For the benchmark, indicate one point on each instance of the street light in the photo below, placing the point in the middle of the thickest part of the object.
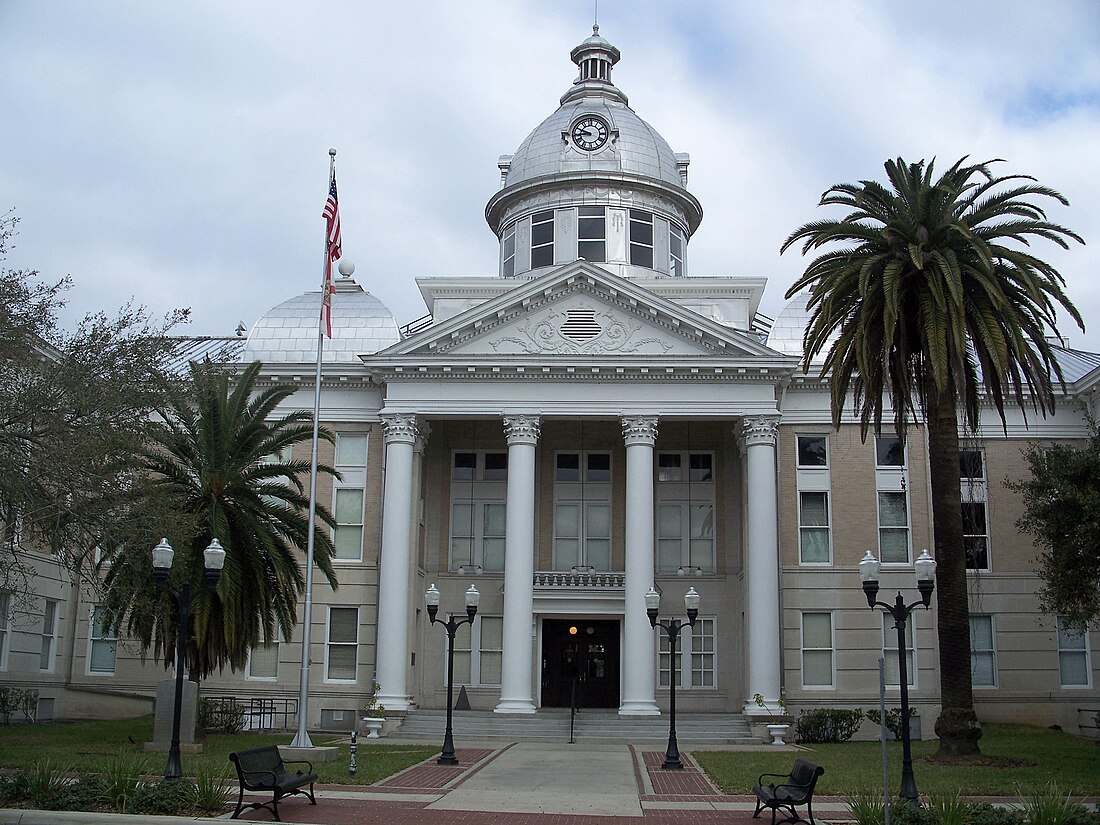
(213, 561)
(431, 597)
(925, 567)
(672, 627)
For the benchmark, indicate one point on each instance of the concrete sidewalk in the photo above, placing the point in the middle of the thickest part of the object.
(517, 784)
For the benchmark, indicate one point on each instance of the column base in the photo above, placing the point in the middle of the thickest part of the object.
(639, 707)
(394, 703)
(515, 706)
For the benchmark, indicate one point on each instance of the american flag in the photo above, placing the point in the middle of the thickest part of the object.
(331, 214)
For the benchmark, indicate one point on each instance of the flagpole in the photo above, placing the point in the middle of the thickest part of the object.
(301, 739)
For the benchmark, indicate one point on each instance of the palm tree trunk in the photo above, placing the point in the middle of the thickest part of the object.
(957, 727)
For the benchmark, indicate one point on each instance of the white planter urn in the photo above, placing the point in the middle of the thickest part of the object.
(777, 732)
(373, 724)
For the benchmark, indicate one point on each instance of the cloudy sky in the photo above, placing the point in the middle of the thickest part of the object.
(177, 154)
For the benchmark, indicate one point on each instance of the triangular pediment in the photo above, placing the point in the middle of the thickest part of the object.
(578, 310)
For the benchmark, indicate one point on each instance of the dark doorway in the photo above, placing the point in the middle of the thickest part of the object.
(584, 651)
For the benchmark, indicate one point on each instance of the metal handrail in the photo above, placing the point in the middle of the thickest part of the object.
(573, 712)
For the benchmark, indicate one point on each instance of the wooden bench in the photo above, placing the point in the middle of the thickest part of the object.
(794, 788)
(263, 769)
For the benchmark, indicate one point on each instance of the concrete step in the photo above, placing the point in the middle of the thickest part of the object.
(692, 729)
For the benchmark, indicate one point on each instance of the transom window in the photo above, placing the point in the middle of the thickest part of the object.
(813, 450)
(889, 451)
(592, 233)
(479, 466)
(542, 239)
(641, 238)
(351, 449)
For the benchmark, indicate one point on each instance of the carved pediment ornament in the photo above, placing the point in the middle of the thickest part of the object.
(579, 331)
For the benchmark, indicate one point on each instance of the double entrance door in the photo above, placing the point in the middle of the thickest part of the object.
(580, 654)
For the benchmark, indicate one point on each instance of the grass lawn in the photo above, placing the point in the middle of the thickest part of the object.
(83, 746)
(1024, 758)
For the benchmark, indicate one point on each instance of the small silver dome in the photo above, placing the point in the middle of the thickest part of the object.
(361, 324)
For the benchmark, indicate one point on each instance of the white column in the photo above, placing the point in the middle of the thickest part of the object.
(516, 695)
(639, 685)
(762, 629)
(392, 645)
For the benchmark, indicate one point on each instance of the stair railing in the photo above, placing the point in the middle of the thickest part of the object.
(572, 712)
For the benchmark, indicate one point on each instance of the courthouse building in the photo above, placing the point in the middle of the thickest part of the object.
(593, 420)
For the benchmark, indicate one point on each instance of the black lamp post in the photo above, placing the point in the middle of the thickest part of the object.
(213, 560)
(672, 627)
(925, 567)
(431, 597)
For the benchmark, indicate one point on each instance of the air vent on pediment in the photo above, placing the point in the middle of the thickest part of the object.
(580, 325)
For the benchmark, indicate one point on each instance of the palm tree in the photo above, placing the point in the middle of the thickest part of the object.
(222, 459)
(933, 302)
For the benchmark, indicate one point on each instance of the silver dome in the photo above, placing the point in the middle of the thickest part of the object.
(361, 324)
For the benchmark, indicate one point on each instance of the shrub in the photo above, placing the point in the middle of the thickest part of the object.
(43, 782)
(893, 719)
(949, 808)
(220, 716)
(14, 788)
(866, 806)
(982, 813)
(83, 794)
(828, 724)
(163, 798)
(212, 791)
(122, 779)
(1049, 807)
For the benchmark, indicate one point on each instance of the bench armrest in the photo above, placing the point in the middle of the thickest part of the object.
(246, 775)
(785, 776)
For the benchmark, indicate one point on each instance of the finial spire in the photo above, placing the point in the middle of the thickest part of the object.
(595, 17)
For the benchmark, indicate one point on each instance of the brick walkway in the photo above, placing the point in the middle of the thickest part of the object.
(666, 797)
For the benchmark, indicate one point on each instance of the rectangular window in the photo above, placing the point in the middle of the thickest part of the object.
(974, 496)
(685, 512)
(342, 649)
(675, 251)
(348, 535)
(477, 510)
(5, 607)
(890, 653)
(695, 656)
(641, 238)
(492, 530)
(592, 234)
(49, 635)
(1073, 655)
(464, 467)
(889, 451)
(813, 527)
(463, 655)
(508, 252)
(490, 646)
(102, 644)
(817, 650)
(582, 511)
(351, 449)
(893, 528)
(263, 660)
(983, 656)
(542, 239)
(669, 467)
(813, 451)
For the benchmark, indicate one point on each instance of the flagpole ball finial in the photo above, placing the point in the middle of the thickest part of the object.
(332, 153)
(347, 268)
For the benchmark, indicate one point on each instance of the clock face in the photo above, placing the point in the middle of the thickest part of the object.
(590, 133)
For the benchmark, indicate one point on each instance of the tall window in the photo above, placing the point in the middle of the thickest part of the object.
(592, 234)
(478, 651)
(814, 534)
(49, 635)
(478, 510)
(342, 649)
(695, 656)
(983, 656)
(263, 659)
(675, 251)
(5, 606)
(508, 252)
(102, 644)
(641, 238)
(582, 510)
(890, 653)
(348, 534)
(542, 239)
(893, 501)
(685, 512)
(817, 650)
(1073, 655)
(972, 478)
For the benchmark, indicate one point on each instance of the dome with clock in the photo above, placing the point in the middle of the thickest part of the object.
(594, 181)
